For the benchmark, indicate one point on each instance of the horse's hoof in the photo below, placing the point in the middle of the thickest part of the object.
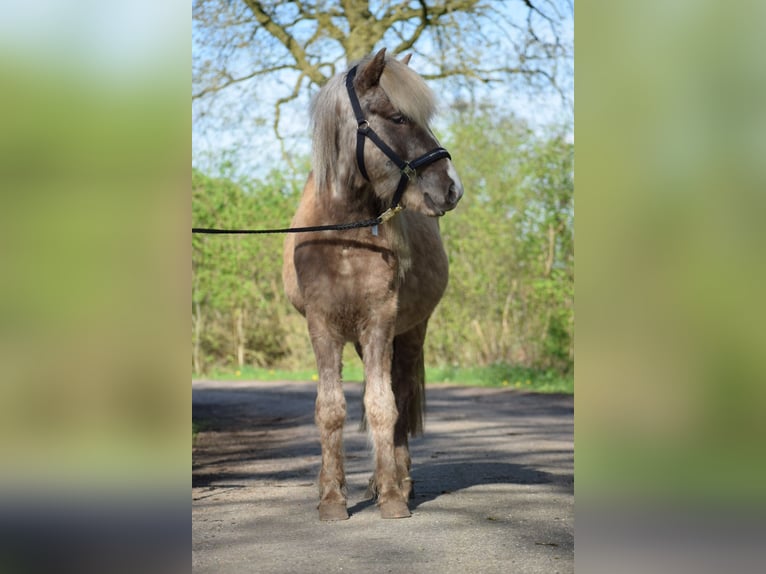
(394, 509)
(329, 511)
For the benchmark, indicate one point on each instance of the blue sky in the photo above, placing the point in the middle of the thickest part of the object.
(116, 41)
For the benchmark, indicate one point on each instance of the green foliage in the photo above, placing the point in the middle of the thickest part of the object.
(511, 246)
(237, 303)
(506, 376)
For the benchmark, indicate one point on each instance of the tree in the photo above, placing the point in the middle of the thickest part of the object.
(511, 246)
(263, 55)
(237, 303)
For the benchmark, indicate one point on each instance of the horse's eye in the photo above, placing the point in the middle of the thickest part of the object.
(398, 119)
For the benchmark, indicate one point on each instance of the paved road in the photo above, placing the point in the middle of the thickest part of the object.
(493, 483)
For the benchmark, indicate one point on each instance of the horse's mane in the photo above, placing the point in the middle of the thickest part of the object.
(334, 127)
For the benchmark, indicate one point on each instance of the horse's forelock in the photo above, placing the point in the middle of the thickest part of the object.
(408, 92)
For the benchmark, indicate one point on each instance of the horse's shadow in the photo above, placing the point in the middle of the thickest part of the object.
(433, 480)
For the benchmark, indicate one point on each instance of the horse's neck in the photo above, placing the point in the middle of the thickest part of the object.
(360, 203)
(357, 202)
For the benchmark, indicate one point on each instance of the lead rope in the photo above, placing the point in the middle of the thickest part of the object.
(382, 218)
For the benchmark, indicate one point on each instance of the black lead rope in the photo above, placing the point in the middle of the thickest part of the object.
(382, 218)
(407, 169)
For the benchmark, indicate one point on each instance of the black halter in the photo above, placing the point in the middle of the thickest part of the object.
(407, 168)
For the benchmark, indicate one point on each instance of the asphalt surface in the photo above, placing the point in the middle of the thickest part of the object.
(493, 477)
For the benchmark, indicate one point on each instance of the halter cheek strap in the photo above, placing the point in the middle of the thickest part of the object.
(408, 169)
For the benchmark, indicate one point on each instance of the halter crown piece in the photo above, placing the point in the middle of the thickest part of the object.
(408, 169)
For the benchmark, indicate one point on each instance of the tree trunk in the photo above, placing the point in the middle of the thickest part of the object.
(240, 337)
(551, 252)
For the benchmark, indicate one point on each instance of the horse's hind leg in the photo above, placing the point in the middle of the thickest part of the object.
(408, 378)
(330, 414)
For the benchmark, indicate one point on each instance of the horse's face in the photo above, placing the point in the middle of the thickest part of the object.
(437, 187)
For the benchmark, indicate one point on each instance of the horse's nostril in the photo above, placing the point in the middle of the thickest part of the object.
(454, 194)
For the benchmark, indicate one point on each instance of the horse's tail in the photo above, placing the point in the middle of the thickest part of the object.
(417, 411)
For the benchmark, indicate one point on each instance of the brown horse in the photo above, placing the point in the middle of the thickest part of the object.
(374, 287)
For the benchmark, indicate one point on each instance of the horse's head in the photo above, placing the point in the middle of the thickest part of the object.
(382, 136)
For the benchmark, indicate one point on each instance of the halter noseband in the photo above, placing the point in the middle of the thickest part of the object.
(408, 169)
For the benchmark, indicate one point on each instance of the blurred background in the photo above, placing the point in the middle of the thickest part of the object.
(94, 238)
(671, 184)
(94, 285)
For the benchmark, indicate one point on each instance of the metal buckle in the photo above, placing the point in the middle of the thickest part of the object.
(390, 212)
(409, 172)
(363, 126)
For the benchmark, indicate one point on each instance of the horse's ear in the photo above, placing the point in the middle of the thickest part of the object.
(369, 76)
(406, 59)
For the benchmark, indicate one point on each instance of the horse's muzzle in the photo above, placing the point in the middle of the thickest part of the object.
(450, 201)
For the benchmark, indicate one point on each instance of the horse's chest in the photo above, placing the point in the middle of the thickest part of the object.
(369, 274)
(346, 267)
(346, 275)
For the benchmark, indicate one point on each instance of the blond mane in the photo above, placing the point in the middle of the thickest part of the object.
(334, 127)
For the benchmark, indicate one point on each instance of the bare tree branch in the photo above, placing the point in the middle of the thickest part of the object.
(278, 113)
(533, 8)
(230, 80)
(239, 45)
(288, 41)
(409, 42)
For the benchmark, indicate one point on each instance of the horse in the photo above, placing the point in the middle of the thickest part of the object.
(374, 287)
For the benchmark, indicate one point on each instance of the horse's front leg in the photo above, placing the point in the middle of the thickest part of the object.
(408, 374)
(330, 415)
(382, 414)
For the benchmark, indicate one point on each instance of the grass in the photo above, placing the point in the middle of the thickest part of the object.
(504, 376)
(501, 376)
